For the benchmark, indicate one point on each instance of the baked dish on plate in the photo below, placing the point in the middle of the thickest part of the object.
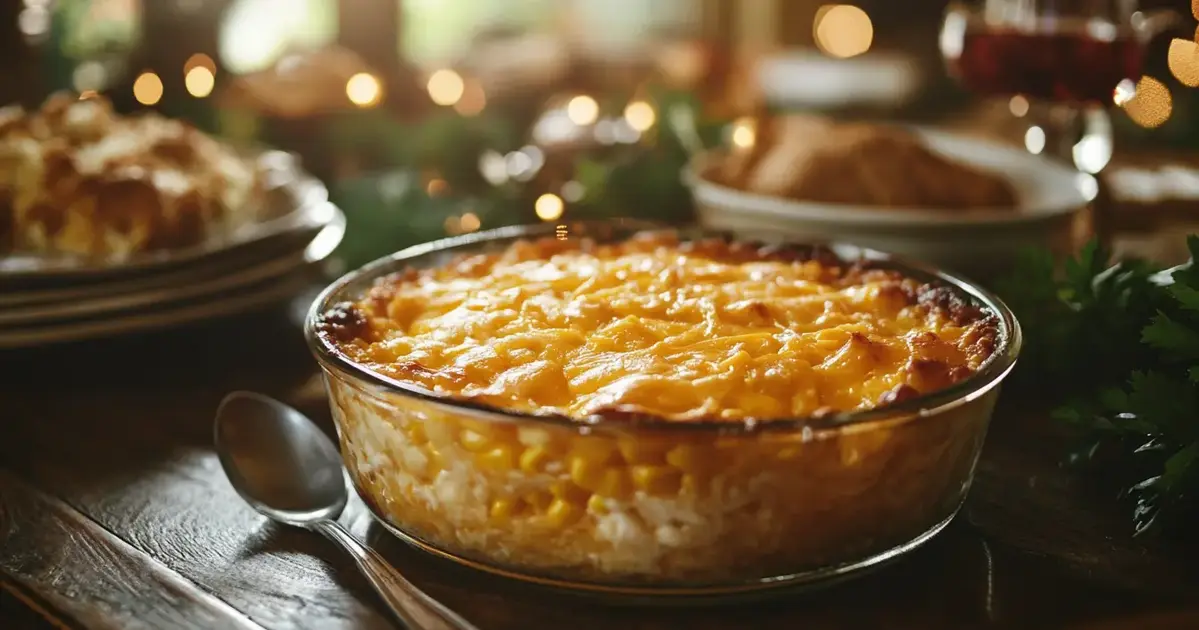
(78, 179)
(809, 158)
(954, 201)
(648, 411)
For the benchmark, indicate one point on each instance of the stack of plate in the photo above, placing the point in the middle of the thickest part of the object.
(51, 299)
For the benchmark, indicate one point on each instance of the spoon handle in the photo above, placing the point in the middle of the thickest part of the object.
(417, 610)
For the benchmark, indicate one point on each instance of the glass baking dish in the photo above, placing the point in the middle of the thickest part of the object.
(643, 506)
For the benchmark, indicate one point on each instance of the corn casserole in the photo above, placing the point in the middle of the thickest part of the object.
(606, 413)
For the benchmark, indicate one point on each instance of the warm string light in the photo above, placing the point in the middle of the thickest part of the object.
(640, 115)
(582, 110)
(743, 134)
(364, 90)
(436, 187)
(199, 60)
(1034, 140)
(1018, 105)
(446, 87)
(549, 207)
(1150, 105)
(199, 81)
(843, 30)
(464, 224)
(1183, 60)
(473, 99)
(147, 88)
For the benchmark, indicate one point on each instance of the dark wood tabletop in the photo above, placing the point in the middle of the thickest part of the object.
(114, 513)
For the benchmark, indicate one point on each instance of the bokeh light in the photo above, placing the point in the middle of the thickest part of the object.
(473, 100)
(1151, 105)
(744, 134)
(1034, 140)
(470, 222)
(199, 81)
(1124, 92)
(843, 30)
(549, 207)
(89, 75)
(1183, 60)
(436, 187)
(1018, 105)
(446, 87)
(640, 115)
(582, 110)
(147, 88)
(363, 90)
(199, 60)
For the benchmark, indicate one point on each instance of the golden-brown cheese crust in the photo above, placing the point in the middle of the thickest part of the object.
(654, 327)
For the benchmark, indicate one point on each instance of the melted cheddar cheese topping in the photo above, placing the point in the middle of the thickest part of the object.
(681, 331)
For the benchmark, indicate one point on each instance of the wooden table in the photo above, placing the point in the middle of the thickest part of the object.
(114, 513)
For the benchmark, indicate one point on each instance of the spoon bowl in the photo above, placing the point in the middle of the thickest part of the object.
(288, 470)
(281, 463)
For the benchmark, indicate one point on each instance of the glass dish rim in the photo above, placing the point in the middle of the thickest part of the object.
(992, 372)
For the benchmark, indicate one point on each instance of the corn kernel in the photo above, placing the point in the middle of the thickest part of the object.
(502, 509)
(597, 505)
(534, 458)
(568, 491)
(500, 458)
(436, 461)
(586, 472)
(614, 483)
(473, 441)
(416, 432)
(688, 457)
(596, 449)
(539, 500)
(533, 437)
(656, 479)
(642, 451)
(562, 513)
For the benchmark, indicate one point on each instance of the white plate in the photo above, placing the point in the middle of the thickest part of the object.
(1044, 188)
(99, 287)
(270, 293)
(297, 201)
(974, 242)
(115, 300)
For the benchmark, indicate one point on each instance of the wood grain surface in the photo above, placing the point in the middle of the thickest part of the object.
(115, 513)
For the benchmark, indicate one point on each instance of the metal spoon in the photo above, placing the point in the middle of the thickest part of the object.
(290, 472)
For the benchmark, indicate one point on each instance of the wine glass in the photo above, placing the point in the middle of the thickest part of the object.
(1068, 58)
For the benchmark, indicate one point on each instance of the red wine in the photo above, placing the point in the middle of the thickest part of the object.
(1073, 66)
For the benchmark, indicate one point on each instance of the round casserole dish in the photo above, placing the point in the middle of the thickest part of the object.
(629, 503)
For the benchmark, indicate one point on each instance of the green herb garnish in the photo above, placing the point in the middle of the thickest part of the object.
(1119, 343)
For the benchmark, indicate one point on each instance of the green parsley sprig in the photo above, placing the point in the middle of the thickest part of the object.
(1119, 342)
